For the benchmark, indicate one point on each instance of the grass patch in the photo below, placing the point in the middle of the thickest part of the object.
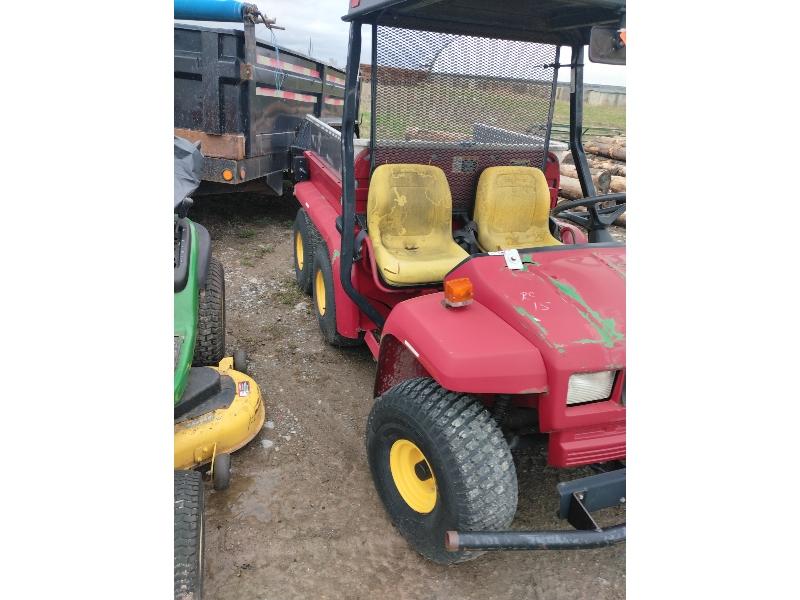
(289, 294)
(593, 116)
(275, 330)
(250, 259)
(263, 250)
(512, 110)
(246, 234)
(263, 220)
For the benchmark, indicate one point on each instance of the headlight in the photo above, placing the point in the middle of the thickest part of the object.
(587, 387)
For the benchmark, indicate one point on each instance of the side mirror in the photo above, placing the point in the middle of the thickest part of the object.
(607, 45)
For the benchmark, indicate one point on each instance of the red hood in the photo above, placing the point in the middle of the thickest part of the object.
(569, 302)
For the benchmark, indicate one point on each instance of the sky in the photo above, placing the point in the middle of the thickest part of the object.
(320, 21)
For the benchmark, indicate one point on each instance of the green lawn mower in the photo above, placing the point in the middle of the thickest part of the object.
(218, 407)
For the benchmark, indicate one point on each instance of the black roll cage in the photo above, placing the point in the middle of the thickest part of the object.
(348, 129)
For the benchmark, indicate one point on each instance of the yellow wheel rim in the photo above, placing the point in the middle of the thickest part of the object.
(413, 476)
(319, 283)
(298, 249)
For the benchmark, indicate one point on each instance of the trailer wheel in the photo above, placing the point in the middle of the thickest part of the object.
(324, 301)
(305, 239)
(188, 535)
(209, 348)
(439, 462)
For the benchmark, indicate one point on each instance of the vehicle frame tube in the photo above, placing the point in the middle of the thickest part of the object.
(348, 176)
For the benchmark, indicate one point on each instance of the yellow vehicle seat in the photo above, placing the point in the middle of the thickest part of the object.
(512, 206)
(409, 219)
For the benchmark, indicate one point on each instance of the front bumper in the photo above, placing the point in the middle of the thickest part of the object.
(578, 499)
(587, 445)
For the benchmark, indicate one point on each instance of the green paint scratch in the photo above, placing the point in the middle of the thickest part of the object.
(606, 328)
(527, 259)
(540, 327)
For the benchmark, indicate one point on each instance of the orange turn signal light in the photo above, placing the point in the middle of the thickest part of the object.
(227, 174)
(458, 292)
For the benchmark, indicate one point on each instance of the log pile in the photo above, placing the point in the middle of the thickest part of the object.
(612, 166)
(600, 177)
(615, 151)
(606, 158)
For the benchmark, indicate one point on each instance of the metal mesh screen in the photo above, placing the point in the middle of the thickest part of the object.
(436, 88)
(461, 103)
(323, 139)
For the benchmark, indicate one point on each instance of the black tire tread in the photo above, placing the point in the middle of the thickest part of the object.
(222, 472)
(314, 234)
(468, 429)
(209, 346)
(304, 226)
(188, 535)
(240, 361)
(329, 332)
(473, 446)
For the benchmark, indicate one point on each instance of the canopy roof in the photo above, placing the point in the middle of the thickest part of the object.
(565, 22)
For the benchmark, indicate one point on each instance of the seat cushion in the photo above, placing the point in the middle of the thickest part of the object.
(512, 208)
(409, 219)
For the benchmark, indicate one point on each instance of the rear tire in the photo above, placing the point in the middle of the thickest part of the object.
(324, 301)
(305, 239)
(209, 347)
(475, 483)
(189, 533)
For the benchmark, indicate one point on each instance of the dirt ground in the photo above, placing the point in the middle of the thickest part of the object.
(301, 518)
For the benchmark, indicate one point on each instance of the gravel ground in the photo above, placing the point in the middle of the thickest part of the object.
(301, 518)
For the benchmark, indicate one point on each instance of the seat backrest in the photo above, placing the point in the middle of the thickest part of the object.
(512, 209)
(463, 166)
(408, 206)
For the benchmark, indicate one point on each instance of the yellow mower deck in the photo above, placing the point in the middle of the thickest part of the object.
(224, 430)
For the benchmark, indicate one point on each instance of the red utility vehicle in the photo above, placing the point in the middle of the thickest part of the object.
(434, 242)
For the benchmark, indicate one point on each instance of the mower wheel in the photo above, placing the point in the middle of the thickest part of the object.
(209, 348)
(439, 462)
(306, 239)
(240, 361)
(221, 470)
(188, 534)
(324, 302)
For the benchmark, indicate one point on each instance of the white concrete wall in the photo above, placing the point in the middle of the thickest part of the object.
(594, 97)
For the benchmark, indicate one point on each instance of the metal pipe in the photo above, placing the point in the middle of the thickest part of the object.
(553, 88)
(373, 86)
(576, 122)
(348, 176)
(209, 10)
(533, 540)
(249, 88)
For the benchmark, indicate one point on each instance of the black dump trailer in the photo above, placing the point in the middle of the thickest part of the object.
(244, 99)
